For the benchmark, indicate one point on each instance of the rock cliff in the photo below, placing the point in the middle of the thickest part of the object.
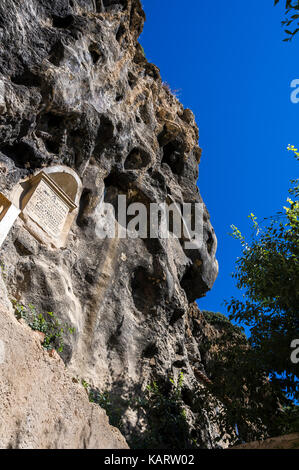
(77, 91)
(41, 407)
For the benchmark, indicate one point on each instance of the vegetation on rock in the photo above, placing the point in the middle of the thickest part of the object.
(258, 374)
(48, 324)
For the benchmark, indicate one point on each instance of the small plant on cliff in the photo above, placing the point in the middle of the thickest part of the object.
(161, 407)
(167, 425)
(48, 323)
(112, 408)
(105, 401)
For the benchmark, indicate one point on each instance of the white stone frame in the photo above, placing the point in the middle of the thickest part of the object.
(8, 215)
(66, 184)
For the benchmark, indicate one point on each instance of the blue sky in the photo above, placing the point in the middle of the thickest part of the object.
(231, 67)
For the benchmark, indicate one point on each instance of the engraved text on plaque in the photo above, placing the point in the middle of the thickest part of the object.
(47, 209)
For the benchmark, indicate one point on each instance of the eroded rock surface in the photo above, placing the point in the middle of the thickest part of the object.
(77, 90)
(41, 407)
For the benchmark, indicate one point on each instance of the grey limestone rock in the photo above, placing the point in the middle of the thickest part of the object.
(76, 90)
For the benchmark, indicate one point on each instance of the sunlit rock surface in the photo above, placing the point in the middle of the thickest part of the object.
(77, 90)
(41, 406)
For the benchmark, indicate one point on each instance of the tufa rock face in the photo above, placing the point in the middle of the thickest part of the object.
(77, 90)
(40, 406)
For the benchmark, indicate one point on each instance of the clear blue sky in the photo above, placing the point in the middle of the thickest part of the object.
(228, 60)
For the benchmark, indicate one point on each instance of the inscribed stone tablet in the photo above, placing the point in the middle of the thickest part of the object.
(47, 209)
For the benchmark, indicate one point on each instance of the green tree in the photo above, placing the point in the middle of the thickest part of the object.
(250, 406)
(267, 273)
(255, 380)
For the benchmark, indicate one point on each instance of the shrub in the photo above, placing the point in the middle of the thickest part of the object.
(48, 323)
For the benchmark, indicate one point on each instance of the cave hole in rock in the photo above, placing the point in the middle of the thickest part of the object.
(112, 180)
(24, 128)
(173, 157)
(158, 179)
(111, 4)
(193, 284)
(120, 180)
(210, 241)
(95, 55)
(119, 97)
(119, 126)
(52, 146)
(62, 22)
(21, 249)
(179, 349)
(104, 136)
(145, 115)
(150, 351)
(187, 396)
(120, 32)
(132, 80)
(56, 54)
(179, 364)
(116, 184)
(76, 143)
(50, 127)
(138, 158)
(188, 278)
(50, 121)
(83, 205)
(145, 293)
(176, 315)
(21, 153)
(27, 78)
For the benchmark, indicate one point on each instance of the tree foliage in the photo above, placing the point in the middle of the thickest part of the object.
(249, 406)
(291, 21)
(167, 425)
(160, 412)
(267, 273)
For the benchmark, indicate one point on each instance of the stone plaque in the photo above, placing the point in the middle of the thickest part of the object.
(48, 209)
(46, 203)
